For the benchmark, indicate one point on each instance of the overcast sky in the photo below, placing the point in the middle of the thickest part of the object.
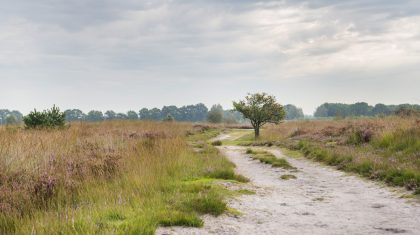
(129, 54)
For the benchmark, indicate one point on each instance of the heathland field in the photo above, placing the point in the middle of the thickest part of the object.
(385, 149)
(132, 177)
(111, 177)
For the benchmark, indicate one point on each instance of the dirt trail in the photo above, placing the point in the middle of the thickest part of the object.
(320, 201)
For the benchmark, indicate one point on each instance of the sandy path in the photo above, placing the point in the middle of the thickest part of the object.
(320, 201)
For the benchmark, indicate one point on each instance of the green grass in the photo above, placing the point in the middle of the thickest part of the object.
(269, 158)
(393, 176)
(292, 153)
(287, 177)
(177, 218)
(245, 192)
(406, 141)
(240, 138)
(216, 143)
(204, 135)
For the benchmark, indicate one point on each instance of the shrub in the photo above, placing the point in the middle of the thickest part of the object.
(360, 136)
(51, 118)
(216, 143)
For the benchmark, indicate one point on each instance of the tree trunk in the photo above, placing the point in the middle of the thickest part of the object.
(257, 132)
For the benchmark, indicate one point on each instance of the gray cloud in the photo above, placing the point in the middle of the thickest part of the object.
(128, 54)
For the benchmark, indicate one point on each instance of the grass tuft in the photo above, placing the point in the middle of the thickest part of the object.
(288, 177)
(269, 158)
(177, 218)
(216, 143)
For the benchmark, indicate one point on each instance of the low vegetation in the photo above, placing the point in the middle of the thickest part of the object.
(51, 118)
(120, 177)
(269, 158)
(216, 143)
(288, 177)
(385, 149)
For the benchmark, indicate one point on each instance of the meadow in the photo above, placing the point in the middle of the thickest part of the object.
(114, 177)
(385, 149)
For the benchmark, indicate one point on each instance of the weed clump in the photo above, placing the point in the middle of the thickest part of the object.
(216, 143)
(288, 177)
(268, 158)
(178, 218)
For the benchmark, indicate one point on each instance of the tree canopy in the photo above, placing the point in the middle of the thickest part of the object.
(215, 115)
(260, 108)
(293, 112)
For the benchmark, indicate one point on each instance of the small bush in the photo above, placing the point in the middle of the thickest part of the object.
(51, 118)
(216, 143)
(360, 137)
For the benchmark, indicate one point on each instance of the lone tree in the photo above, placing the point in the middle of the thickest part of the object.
(260, 108)
(215, 115)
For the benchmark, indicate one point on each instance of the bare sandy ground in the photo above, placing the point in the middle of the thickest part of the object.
(320, 201)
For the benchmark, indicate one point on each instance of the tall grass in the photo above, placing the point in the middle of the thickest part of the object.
(109, 178)
(386, 149)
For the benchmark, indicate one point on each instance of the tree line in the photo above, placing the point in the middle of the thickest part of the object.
(189, 113)
(362, 109)
(10, 117)
(216, 114)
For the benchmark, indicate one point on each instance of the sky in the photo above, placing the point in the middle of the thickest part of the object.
(129, 54)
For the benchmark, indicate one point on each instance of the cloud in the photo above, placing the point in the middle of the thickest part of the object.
(194, 46)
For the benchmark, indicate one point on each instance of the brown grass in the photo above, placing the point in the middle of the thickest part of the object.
(379, 148)
(110, 177)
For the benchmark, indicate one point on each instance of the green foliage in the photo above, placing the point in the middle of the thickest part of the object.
(207, 203)
(50, 118)
(358, 136)
(293, 112)
(216, 143)
(363, 109)
(192, 113)
(268, 158)
(215, 115)
(260, 109)
(392, 176)
(10, 117)
(408, 111)
(110, 115)
(132, 115)
(169, 118)
(11, 120)
(227, 174)
(287, 177)
(177, 218)
(95, 116)
(74, 115)
(406, 141)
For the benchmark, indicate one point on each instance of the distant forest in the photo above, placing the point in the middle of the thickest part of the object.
(200, 113)
(362, 109)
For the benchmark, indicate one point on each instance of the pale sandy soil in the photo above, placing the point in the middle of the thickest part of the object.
(320, 201)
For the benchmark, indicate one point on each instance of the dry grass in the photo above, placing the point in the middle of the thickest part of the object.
(112, 177)
(385, 149)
